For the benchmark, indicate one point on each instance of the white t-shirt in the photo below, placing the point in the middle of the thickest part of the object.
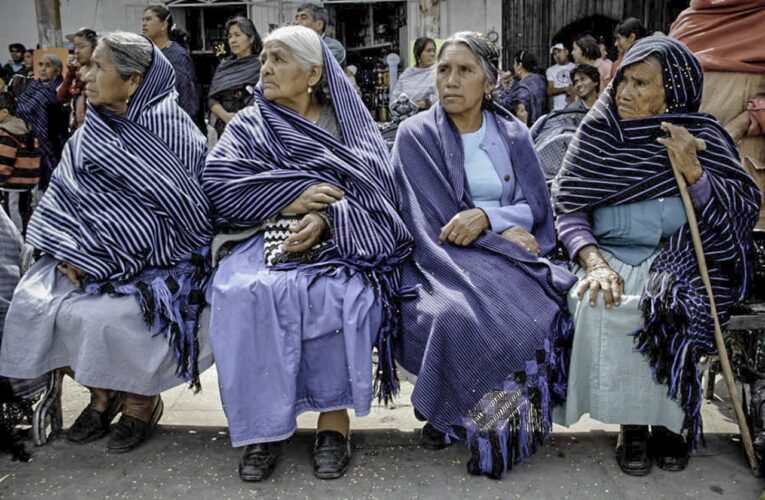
(560, 76)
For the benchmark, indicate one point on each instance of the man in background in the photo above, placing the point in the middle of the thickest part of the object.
(316, 17)
(16, 64)
(559, 77)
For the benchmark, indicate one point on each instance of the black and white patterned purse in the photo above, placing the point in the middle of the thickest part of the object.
(275, 233)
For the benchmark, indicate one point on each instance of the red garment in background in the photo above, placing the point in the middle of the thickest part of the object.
(726, 35)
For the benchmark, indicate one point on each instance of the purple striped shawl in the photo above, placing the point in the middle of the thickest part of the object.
(125, 206)
(269, 155)
(613, 161)
(37, 105)
(484, 334)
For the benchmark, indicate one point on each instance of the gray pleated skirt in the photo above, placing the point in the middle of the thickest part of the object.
(608, 378)
(104, 339)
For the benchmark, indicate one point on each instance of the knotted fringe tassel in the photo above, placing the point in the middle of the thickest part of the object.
(673, 356)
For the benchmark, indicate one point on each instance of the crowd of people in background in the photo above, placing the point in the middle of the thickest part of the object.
(300, 242)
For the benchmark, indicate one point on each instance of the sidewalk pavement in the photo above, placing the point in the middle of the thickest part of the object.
(190, 457)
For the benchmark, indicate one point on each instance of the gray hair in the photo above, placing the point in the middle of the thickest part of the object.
(130, 53)
(479, 45)
(304, 43)
(54, 60)
(317, 12)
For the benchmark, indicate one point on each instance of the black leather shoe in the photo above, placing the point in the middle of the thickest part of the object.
(129, 432)
(258, 461)
(632, 450)
(91, 424)
(431, 438)
(331, 454)
(670, 451)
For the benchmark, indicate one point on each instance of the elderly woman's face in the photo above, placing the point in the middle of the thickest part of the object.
(47, 70)
(283, 78)
(461, 80)
(640, 92)
(104, 85)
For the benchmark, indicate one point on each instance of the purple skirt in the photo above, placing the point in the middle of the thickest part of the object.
(282, 348)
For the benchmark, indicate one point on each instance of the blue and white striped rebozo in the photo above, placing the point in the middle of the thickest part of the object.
(269, 155)
(613, 161)
(125, 206)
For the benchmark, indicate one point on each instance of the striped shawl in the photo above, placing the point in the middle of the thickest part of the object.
(269, 155)
(125, 206)
(613, 161)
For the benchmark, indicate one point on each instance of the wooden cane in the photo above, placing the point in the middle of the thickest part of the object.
(724, 362)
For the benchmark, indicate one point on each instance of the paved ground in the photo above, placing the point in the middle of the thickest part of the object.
(190, 457)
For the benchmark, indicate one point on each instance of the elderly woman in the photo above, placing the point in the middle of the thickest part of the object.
(312, 284)
(38, 105)
(418, 82)
(229, 89)
(625, 227)
(123, 228)
(482, 336)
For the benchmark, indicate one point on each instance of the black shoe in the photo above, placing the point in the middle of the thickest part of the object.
(632, 450)
(258, 461)
(92, 425)
(670, 450)
(431, 438)
(331, 454)
(129, 432)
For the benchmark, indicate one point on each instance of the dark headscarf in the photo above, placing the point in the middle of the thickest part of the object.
(613, 161)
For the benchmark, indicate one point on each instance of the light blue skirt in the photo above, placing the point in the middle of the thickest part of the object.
(283, 347)
(104, 339)
(608, 378)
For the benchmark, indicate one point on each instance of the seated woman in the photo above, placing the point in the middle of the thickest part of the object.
(625, 227)
(117, 295)
(418, 82)
(481, 337)
(299, 303)
(228, 90)
(586, 80)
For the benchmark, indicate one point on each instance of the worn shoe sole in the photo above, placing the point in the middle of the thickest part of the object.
(152, 426)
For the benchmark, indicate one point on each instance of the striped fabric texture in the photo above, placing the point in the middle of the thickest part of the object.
(486, 335)
(126, 195)
(37, 105)
(269, 155)
(19, 161)
(613, 161)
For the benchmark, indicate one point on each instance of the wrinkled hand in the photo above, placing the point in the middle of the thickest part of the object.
(306, 234)
(682, 147)
(73, 273)
(464, 227)
(316, 197)
(522, 238)
(602, 277)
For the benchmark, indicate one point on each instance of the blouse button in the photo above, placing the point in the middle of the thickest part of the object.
(507, 178)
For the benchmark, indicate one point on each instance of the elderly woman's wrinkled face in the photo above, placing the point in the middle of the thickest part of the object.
(47, 70)
(428, 55)
(461, 80)
(640, 93)
(283, 78)
(238, 41)
(83, 50)
(105, 87)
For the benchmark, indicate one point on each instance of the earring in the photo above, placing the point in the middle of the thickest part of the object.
(310, 90)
